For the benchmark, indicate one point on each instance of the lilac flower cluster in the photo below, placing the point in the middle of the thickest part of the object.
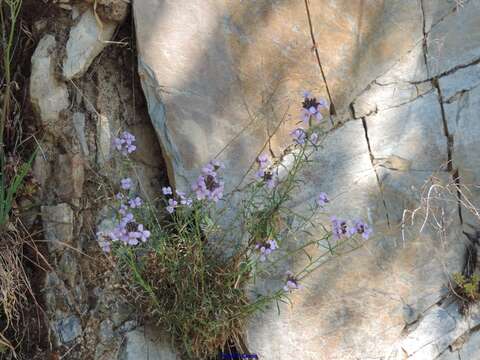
(174, 203)
(209, 185)
(311, 109)
(125, 143)
(127, 230)
(340, 229)
(266, 249)
(264, 174)
(291, 282)
(322, 199)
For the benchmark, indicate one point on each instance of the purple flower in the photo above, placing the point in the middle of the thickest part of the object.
(299, 136)
(271, 181)
(314, 138)
(362, 228)
(167, 190)
(259, 174)
(322, 103)
(208, 186)
(262, 173)
(268, 177)
(118, 232)
(172, 204)
(304, 116)
(133, 238)
(339, 228)
(126, 183)
(124, 143)
(128, 218)
(119, 196)
(322, 199)
(306, 94)
(266, 249)
(187, 202)
(291, 282)
(263, 161)
(180, 193)
(183, 199)
(272, 244)
(130, 149)
(311, 108)
(144, 234)
(212, 167)
(123, 209)
(135, 203)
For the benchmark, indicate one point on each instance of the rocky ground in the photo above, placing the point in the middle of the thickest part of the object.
(84, 89)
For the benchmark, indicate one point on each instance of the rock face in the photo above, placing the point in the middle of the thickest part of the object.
(145, 344)
(48, 95)
(69, 329)
(86, 317)
(86, 40)
(58, 225)
(223, 85)
(222, 79)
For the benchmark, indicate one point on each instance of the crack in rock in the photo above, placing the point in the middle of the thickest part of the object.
(317, 55)
(372, 159)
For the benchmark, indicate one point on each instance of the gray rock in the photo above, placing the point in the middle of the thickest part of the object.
(87, 39)
(455, 41)
(126, 326)
(413, 132)
(381, 97)
(354, 307)
(464, 127)
(53, 285)
(203, 109)
(41, 171)
(435, 325)
(439, 329)
(106, 331)
(436, 11)
(109, 351)
(69, 176)
(471, 348)
(146, 344)
(450, 355)
(49, 96)
(68, 268)
(57, 225)
(104, 139)
(409, 68)
(461, 80)
(79, 125)
(68, 329)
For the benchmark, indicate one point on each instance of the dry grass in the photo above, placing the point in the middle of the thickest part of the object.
(18, 251)
(444, 204)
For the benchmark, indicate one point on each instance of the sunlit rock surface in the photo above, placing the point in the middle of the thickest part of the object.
(86, 40)
(223, 79)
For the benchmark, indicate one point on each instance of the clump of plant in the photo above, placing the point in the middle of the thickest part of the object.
(467, 287)
(179, 274)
